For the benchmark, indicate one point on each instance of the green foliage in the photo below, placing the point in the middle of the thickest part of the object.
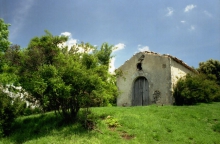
(196, 89)
(11, 108)
(211, 68)
(30, 111)
(13, 55)
(112, 122)
(104, 55)
(7, 114)
(7, 75)
(203, 87)
(19, 106)
(66, 80)
(10, 66)
(4, 43)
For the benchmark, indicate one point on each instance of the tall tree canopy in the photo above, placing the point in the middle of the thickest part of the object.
(4, 43)
(7, 75)
(211, 68)
(65, 79)
(7, 109)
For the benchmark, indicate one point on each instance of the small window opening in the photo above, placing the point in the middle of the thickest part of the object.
(139, 66)
(164, 66)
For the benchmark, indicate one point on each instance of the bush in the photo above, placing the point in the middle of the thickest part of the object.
(211, 68)
(19, 106)
(196, 89)
(112, 122)
(29, 111)
(10, 108)
(7, 114)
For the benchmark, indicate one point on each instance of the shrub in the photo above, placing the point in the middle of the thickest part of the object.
(196, 89)
(10, 108)
(29, 111)
(112, 122)
(7, 114)
(19, 106)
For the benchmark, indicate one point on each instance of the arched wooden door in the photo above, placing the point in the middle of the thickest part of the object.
(140, 92)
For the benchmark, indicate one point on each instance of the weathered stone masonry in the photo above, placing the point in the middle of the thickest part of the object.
(149, 78)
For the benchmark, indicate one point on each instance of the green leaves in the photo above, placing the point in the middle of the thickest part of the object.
(8, 76)
(104, 55)
(203, 87)
(56, 77)
(66, 80)
(196, 89)
(211, 68)
(7, 114)
(4, 43)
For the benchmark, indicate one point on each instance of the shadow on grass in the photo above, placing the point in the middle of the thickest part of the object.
(37, 126)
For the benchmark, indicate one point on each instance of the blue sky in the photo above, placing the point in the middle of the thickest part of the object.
(186, 29)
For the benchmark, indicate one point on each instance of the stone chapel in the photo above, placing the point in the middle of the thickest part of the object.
(149, 78)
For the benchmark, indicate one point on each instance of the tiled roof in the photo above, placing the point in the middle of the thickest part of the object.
(174, 58)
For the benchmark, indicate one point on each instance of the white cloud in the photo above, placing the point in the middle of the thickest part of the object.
(189, 7)
(170, 11)
(66, 34)
(19, 18)
(70, 42)
(118, 47)
(143, 48)
(183, 21)
(192, 28)
(207, 13)
(112, 65)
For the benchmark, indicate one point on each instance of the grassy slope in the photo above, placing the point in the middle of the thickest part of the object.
(150, 124)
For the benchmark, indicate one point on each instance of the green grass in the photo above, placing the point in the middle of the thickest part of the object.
(149, 124)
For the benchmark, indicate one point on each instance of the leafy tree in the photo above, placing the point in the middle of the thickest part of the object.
(66, 80)
(10, 58)
(196, 89)
(104, 55)
(7, 74)
(4, 43)
(10, 61)
(203, 87)
(211, 68)
(12, 55)
(40, 55)
(7, 114)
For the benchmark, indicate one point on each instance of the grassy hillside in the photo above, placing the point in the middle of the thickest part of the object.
(149, 124)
